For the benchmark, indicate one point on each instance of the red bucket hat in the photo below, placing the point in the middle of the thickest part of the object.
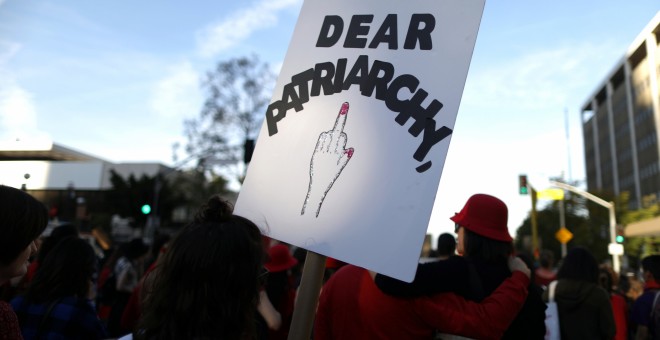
(280, 259)
(485, 215)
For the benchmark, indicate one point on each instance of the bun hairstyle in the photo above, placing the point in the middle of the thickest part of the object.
(215, 210)
(207, 285)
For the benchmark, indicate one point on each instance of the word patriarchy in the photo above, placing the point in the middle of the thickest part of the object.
(379, 77)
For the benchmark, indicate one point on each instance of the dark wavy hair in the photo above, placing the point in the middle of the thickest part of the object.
(580, 265)
(66, 271)
(22, 220)
(207, 283)
(59, 233)
(605, 279)
(651, 264)
(486, 249)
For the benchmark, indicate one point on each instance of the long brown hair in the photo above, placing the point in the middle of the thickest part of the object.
(66, 271)
(207, 283)
(486, 249)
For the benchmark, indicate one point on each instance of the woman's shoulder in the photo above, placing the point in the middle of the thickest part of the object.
(5, 309)
(8, 321)
(84, 304)
(600, 293)
(584, 290)
(453, 266)
(69, 306)
(79, 311)
(452, 261)
(14, 303)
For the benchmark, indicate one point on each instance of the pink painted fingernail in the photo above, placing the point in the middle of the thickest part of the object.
(349, 152)
(344, 108)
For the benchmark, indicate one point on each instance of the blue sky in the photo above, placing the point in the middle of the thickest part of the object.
(117, 79)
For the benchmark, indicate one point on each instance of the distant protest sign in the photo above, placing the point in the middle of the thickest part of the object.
(349, 158)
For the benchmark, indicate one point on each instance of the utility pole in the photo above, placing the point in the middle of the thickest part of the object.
(535, 227)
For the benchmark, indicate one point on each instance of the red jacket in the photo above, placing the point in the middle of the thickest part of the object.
(352, 307)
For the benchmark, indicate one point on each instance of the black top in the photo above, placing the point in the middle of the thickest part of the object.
(473, 279)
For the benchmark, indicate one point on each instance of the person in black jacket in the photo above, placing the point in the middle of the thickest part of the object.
(485, 243)
(585, 310)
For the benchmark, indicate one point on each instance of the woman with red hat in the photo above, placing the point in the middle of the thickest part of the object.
(485, 245)
(279, 287)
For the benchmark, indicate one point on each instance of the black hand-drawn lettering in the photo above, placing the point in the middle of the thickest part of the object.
(402, 94)
(420, 27)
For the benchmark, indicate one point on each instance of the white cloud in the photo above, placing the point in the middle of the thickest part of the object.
(512, 122)
(16, 109)
(8, 50)
(18, 114)
(178, 94)
(521, 98)
(239, 26)
(492, 166)
(543, 79)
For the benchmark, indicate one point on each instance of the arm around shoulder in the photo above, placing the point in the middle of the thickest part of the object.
(488, 319)
(448, 275)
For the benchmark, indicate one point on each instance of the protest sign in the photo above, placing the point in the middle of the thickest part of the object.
(348, 161)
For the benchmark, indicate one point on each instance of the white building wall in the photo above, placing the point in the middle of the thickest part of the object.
(86, 175)
(46, 175)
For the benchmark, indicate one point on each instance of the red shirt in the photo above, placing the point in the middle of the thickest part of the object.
(651, 284)
(352, 307)
(9, 328)
(620, 311)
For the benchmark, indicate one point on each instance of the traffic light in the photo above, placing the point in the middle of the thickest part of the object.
(146, 209)
(248, 150)
(522, 185)
(620, 237)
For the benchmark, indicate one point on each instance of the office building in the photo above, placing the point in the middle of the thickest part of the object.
(621, 121)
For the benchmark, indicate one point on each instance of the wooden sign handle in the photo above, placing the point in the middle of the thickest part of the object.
(308, 297)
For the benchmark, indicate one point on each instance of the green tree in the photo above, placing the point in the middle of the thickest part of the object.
(590, 224)
(548, 223)
(129, 194)
(194, 188)
(238, 92)
(639, 247)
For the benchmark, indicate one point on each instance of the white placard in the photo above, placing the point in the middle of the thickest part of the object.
(349, 158)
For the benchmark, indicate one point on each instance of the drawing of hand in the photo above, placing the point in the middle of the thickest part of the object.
(328, 160)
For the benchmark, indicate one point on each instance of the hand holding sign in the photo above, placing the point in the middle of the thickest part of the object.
(328, 160)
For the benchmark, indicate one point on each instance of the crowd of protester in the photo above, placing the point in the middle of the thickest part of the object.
(219, 277)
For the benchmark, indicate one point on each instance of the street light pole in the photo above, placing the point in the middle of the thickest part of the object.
(615, 258)
(535, 228)
(609, 205)
(562, 221)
